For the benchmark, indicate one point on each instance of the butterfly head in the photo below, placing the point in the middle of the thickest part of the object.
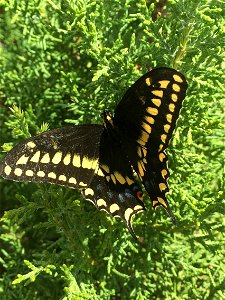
(107, 119)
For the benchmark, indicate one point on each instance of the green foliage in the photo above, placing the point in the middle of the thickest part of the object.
(66, 61)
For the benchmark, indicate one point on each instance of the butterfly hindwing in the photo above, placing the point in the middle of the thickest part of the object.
(113, 187)
(122, 204)
(66, 156)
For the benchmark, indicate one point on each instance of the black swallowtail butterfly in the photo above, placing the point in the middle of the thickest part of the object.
(108, 163)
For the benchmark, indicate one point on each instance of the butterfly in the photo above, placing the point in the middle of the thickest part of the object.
(110, 163)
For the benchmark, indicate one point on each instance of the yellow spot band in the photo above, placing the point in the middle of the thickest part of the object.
(149, 120)
(174, 97)
(158, 93)
(169, 118)
(163, 138)
(99, 172)
(148, 81)
(7, 170)
(22, 160)
(119, 177)
(35, 158)
(177, 78)
(162, 156)
(76, 161)
(162, 201)
(176, 87)
(89, 191)
(146, 127)
(114, 207)
(29, 173)
(52, 175)
(89, 163)
(137, 207)
(72, 180)
(127, 214)
(129, 181)
(57, 158)
(67, 159)
(101, 202)
(162, 186)
(45, 159)
(62, 177)
(41, 174)
(144, 136)
(105, 168)
(164, 173)
(156, 101)
(171, 107)
(152, 111)
(164, 83)
(18, 172)
(113, 178)
(31, 144)
(166, 128)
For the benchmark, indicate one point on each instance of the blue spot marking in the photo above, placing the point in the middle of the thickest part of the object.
(147, 184)
(136, 188)
(110, 194)
(121, 197)
(128, 193)
(99, 187)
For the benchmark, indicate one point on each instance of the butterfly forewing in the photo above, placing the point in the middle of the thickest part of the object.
(66, 156)
(146, 118)
(149, 109)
